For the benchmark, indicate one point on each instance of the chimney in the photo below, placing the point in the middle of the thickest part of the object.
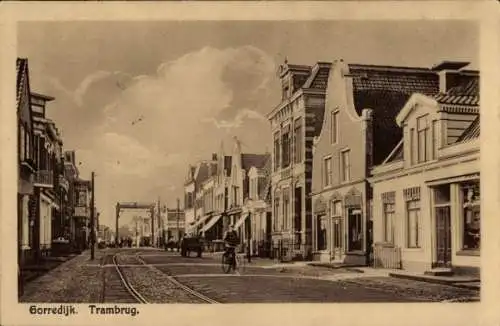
(449, 74)
(214, 157)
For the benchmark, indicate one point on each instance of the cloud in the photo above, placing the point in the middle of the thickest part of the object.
(78, 95)
(237, 121)
(141, 161)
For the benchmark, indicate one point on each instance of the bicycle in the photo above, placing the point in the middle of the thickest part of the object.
(229, 261)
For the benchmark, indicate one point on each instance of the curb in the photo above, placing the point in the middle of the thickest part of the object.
(435, 281)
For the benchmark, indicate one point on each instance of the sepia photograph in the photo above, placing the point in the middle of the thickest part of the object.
(252, 161)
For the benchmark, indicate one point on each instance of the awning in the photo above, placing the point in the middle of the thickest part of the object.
(201, 220)
(241, 220)
(211, 223)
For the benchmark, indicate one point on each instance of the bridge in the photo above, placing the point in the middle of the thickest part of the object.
(135, 205)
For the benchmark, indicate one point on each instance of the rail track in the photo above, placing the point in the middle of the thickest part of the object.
(178, 284)
(117, 288)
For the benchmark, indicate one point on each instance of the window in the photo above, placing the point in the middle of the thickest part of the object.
(388, 201)
(285, 141)
(29, 154)
(276, 211)
(471, 216)
(276, 150)
(435, 137)
(336, 214)
(298, 141)
(334, 127)
(327, 172)
(286, 204)
(422, 130)
(413, 223)
(346, 166)
(321, 233)
(284, 94)
(412, 146)
(22, 145)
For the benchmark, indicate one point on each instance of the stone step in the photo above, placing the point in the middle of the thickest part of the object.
(439, 272)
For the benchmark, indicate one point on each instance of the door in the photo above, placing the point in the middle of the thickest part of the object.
(443, 236)
(355, 230)
(338, 235)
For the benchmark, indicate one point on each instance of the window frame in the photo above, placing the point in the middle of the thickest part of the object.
(418, 223)
(334, 127)
(422, 130)
(327, 175)
(345, 153)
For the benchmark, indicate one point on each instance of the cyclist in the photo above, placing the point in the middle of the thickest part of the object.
(231, 241)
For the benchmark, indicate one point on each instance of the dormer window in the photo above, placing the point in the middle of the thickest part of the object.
(285, 92)
(422, 136)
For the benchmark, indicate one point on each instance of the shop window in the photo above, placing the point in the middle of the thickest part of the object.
(321, 233)
(472, 217)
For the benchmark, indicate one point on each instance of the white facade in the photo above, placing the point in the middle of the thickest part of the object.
(426, 202)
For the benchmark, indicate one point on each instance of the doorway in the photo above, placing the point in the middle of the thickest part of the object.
(338, 235)
(443, 236)
(355, 229)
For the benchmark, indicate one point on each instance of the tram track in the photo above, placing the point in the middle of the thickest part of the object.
(178, 284)
(117, 287)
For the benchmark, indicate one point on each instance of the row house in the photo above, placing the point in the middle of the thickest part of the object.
(295, 121)
(27, 164)
(238, 214)
(358, 131)
(426, 193)
(220, 196)
(43, 192)
(81, 212)
(215, 194)
(257, 206)
(174, 224)
(193, 196)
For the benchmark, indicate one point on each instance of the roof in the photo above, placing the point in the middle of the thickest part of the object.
(472, 132)
(466, 93)
(257, 160)
(396, 154)
(385, 90)
(319, 76)
(21, 73)
(266, 191)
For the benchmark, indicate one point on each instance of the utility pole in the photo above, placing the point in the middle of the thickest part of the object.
(178, 213)
(152, 226)
(92, 217)
(159, 222)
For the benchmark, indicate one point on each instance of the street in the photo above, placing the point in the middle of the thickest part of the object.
(156, 276)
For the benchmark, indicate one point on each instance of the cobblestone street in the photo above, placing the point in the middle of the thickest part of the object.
(82, 280)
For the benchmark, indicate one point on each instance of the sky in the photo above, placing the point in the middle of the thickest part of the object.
(140, 101)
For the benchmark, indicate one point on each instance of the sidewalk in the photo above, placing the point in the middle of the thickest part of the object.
(65, 282)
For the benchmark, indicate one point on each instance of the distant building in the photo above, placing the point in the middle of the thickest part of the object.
(174, 224)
